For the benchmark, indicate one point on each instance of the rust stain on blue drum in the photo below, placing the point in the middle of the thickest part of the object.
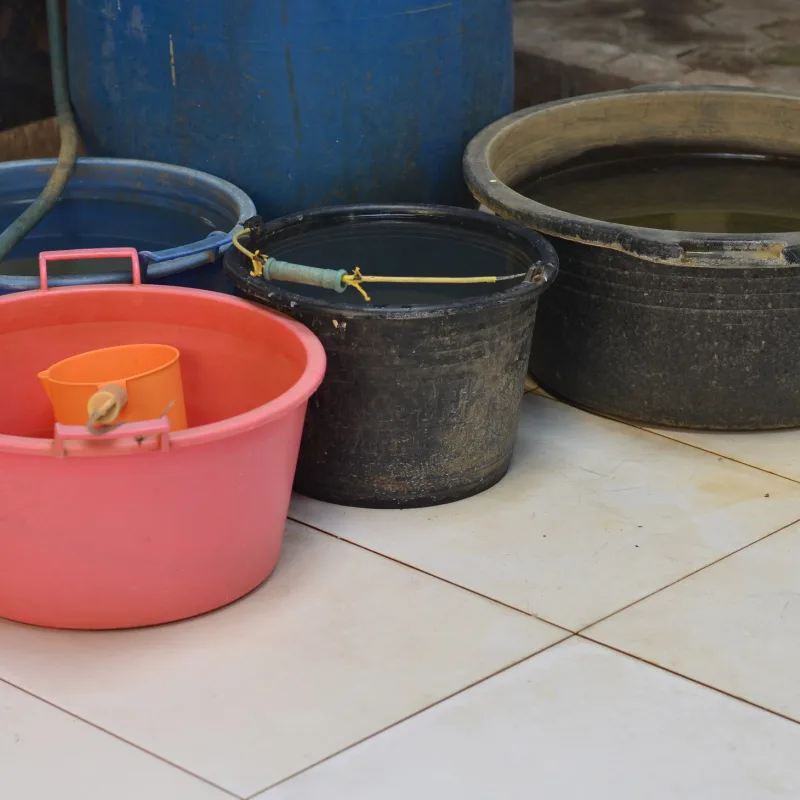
(374, 102)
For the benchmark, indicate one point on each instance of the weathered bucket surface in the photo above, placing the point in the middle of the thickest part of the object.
(303, 103)
(144, 525)
(670, 327)
(180, 220)
(421, 399)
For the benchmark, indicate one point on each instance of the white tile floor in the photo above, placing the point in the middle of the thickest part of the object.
(619, 618)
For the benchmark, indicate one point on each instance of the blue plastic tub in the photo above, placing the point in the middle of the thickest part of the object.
(180, 221)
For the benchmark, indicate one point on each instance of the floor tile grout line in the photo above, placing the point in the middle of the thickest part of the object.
(641, 426)
(577, 631)
(710, 564)
(517, 663)
(721, 455)
(508, 667)
(431, 575)
(121, 739)
(689, 678)
(414, 714)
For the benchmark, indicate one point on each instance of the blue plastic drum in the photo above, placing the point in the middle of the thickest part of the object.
(302, 103)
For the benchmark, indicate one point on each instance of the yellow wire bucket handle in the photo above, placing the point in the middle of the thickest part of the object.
(338, 280)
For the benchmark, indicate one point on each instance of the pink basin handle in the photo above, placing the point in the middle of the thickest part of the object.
(129, 430)
(95, 252)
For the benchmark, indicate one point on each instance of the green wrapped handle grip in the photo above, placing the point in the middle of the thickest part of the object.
(275, 270)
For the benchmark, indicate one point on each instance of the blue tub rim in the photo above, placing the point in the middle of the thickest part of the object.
(155, 265)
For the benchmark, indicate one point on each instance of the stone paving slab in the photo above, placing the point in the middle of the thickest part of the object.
(570, 47)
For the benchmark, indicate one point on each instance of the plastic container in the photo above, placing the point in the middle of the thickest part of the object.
(421, 401)
(179, 220)
(668, 327)
(143, 525)
(138, 382)
(149, 374)
(303, 103)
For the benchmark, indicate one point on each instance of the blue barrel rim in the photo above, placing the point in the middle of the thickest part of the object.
(156, 265)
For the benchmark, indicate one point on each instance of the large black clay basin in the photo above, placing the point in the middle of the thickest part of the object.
(675, 213)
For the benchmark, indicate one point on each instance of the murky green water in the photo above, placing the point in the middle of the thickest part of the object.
(702, 192)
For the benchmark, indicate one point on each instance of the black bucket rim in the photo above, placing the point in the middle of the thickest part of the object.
(541, 252)
(683, 249)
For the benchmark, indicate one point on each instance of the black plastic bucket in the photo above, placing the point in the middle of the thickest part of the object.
(421, 399)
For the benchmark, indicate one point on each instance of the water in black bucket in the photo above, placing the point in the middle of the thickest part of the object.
(407, 249)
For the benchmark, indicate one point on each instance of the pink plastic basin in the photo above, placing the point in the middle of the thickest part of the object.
(143, 526)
